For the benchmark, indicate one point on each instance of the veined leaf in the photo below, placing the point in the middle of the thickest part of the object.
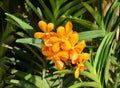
(31, 41)
(29, 29)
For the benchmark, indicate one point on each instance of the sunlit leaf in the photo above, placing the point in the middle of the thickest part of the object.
(91, 34)
(31, 41)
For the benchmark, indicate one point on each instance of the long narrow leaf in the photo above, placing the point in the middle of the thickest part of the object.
(31, 41)
(88, 24)
(47, 11)
(37, 11)
(92, 76)
(110, 14)
(29, 29)
(92, 34)
(98, 18)
(85, 84)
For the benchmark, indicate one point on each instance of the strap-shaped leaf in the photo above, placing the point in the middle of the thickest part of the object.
(34, 79)
(110, 15)
(102, 54)
(48, 14)
(93, 77)
(31, 41)
(98, 18)
(37, 11)
(85, 84)
(88, 24)
(90, 68)
(79, 12)
(63, 72)
(116, 24)
(86, 35)
(28, 28)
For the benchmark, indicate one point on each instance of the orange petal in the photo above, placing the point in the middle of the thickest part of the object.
(81, 66)
(61, 31)
(47, 51)
(63, 54)
(87, 56)
(83, 57)
(77, 73)
(42, 25)
(73, 56)
(59, 64)
(65, 45)
(50, 26)
(56, 47)
(55, 39)
(38, 35)
(79, 47)
(49, 58)
(74, 38)
(68, 26)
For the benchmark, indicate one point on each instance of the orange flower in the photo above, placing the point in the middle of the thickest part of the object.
(76, 48)
(63, 34)
(46, 28)
(62, 47)
(59, 58)
(80, 63)
(78, 68)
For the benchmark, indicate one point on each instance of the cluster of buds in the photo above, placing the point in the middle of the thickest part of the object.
(62, 46)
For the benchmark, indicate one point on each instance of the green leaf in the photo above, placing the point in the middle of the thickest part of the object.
(91, 34)
(63, 71)
(88, 24)
(90, 75)
(90, 68)
(32, 79)
(48, 14)
(37, 11)
(79, 12)
(103, 53)
(95, 15)
(29, 29)
(21, 83)
(31, 41)
(110, 15)
(107, 75)
(85, 84)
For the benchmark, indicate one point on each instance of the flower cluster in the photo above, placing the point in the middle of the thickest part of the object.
(62, 46)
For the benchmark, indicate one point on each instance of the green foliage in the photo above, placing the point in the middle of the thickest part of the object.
(31, 70)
